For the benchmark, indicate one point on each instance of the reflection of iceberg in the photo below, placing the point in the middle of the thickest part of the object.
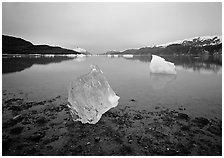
(81, 55)
(128, 55)
(160, 65)
(49, 55)
(71, 55)
(90, 96)
(159, 81)
(80, 58)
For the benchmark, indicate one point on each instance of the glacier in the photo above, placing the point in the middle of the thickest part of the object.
(90, 96)
(161, 66)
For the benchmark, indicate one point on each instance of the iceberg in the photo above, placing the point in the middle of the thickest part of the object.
(161, 66)
(90, 96)
(128, 55)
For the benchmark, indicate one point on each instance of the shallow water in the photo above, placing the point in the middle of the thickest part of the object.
(197, 87)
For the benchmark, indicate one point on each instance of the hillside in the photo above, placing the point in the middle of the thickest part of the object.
(193, 46)
(14, 45)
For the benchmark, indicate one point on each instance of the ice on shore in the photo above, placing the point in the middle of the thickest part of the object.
(90, 96)
(161, 66)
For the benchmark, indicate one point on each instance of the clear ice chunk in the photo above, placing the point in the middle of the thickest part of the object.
(90, 96)
(161, 66)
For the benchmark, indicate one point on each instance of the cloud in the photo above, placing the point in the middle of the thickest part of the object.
(99, 27)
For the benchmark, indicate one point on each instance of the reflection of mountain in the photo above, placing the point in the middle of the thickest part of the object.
(205, 62)
(159, 81)
(10, 65)
(197, 63)
(143, 58)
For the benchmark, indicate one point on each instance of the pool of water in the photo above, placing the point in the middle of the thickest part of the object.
(197, 87)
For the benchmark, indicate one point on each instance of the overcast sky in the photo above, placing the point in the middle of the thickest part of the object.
(99, 27)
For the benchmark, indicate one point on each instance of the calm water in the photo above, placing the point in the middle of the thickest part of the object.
(197, 87)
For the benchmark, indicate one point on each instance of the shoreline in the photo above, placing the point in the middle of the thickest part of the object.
(46, 128)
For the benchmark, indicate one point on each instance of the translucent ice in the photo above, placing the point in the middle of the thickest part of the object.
(89, 96)
(160, 65)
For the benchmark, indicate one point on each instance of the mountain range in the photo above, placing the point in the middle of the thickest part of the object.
(209, 45)
(14, 45)
(192, 46)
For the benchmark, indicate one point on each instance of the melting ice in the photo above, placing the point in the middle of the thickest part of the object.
(90, 96)
(161, 66)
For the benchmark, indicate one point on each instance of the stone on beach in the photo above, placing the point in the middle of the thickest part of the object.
(161, 66)
(90, 96)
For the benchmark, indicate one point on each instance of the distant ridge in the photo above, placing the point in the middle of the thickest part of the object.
(16, 45)
(191, 46)
(201, 40)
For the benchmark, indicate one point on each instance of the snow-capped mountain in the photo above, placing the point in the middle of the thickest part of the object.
(197, 41)
(190, 46)
(80, 50)
(112, 51)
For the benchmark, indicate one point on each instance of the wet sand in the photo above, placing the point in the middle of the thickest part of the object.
(46, 128)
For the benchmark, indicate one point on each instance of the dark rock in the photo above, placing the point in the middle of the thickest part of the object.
(200, 121)
(37, 136)
(32, 151)
(16, 130)
(126, 150)
(13, 100)
(130, 141)
(34, 111)
(15, 108)
(41, 120)
(58, 96)
(49, 147)
(97, 139)
(27, 105)
(171, 152)
(215, 130)
(52, 139)
(180, 108)
(157, 107)
(183, 116)
(138, 117)
(133, 100)
(13, 121)
(6, 143)
(77, 149)
(185, 128)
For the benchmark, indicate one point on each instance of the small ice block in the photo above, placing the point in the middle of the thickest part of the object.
(161, 66)
(90, 96)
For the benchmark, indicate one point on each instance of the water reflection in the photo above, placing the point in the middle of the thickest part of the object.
(80, 58)
(202, 64)
(160, 81)
(15, 64)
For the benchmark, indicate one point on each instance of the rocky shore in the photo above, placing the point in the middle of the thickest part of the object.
(45, 128)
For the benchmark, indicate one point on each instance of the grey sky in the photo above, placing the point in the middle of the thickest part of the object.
(99, 27)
